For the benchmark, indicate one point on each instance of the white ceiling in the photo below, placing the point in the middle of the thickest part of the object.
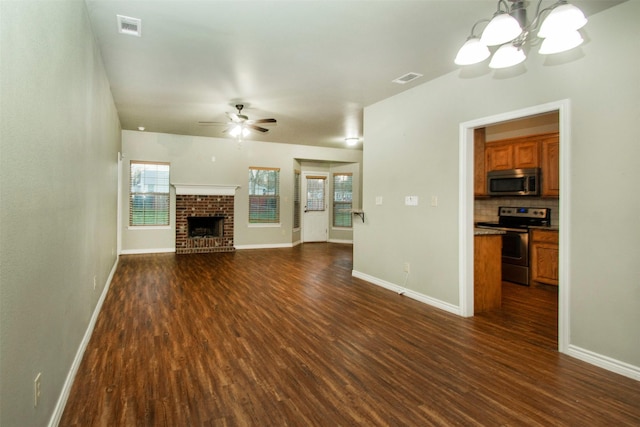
(311, 64)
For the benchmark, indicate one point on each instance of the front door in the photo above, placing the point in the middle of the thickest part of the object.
(315, 218)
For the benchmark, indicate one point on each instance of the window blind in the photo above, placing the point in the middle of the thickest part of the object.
(149, 193)
(342, 199)
(315, 193)
(264, 195)
(296, 199)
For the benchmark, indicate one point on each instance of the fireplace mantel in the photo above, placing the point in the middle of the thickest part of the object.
(205, 189)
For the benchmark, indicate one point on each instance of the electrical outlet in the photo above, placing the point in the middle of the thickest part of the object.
(95, 282)
(434, 201)
(405, 267)
(36, 390)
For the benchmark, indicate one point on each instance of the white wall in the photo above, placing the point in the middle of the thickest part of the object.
(59, 139)
(192, 162)
(412, 149)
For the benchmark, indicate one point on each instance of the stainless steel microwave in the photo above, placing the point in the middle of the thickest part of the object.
(514, 182)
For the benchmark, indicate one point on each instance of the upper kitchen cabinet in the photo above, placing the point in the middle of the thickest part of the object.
(551, 166)
(515, 153)
(479, 172)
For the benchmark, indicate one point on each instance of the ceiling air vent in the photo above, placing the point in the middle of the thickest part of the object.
(129, 26)
(407, 78)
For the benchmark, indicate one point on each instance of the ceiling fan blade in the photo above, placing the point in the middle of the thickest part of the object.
(238, 118)
(265, 121)
(258, 128)
(234, 117)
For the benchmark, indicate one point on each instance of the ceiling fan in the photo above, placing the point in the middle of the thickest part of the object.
(239, 124)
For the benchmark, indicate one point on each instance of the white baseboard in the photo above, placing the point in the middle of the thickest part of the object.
(68, 383)
(588, 356)
(408, 292)
(604, 362)
(146, 251)
(265, 246)
(346, 242)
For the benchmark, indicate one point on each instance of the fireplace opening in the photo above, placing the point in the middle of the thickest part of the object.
(205, 226)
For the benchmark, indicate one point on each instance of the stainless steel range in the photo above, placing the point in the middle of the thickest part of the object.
(515, 221)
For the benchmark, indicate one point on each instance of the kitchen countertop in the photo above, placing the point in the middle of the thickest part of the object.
(545, 227)
(487, 231)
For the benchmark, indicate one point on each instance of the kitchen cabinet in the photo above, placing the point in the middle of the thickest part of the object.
(512, 154)
(551, 167)
(499, 157)
(487, 272)
(533, 151)
(525, 155)
(544, 256)
(479, 172)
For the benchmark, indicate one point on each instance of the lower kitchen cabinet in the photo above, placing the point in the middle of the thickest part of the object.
(544, 256)
(487, 272)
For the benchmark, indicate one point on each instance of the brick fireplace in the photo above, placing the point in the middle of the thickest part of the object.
(204, 218)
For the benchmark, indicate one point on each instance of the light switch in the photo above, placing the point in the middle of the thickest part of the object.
(378, 200)
(434, 200)
(411, 200)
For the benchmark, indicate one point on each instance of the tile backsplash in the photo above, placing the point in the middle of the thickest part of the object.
(487, 209)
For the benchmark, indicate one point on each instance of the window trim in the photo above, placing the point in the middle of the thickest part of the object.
(333, 201)
(132, 194)
(276, 221)
(297, 200)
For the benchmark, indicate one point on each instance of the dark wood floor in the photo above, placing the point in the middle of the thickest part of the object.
(287, 337)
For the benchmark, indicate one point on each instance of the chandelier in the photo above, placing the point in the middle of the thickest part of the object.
(556, 27)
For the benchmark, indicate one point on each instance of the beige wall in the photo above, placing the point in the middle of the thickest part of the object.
(423, 123)
(59, 140)
(200, 160)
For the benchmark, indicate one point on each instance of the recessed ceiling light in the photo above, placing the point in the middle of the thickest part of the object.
(351, 141)
(407, 78)
(129, 26)
(141, 128)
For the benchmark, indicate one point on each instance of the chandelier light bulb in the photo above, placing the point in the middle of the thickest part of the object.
(562, 19)
(507, 55)
(501, 29)
(560, 42)
(472, 52)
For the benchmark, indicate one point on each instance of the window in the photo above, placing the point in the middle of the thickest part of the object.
(296, 199)
(315, 193)
(264, 195)
(149, 194)
(342, 199)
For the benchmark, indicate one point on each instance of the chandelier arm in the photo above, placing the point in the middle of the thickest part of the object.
(505, 4)
(535, 24)
(473, 29)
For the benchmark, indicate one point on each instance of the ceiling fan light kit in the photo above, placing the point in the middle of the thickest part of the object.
(240, 126)
(556, 28)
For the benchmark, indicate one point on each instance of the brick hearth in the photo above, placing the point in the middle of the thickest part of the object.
(198, 206)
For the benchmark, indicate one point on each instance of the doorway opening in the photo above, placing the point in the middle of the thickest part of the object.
(467, 205)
